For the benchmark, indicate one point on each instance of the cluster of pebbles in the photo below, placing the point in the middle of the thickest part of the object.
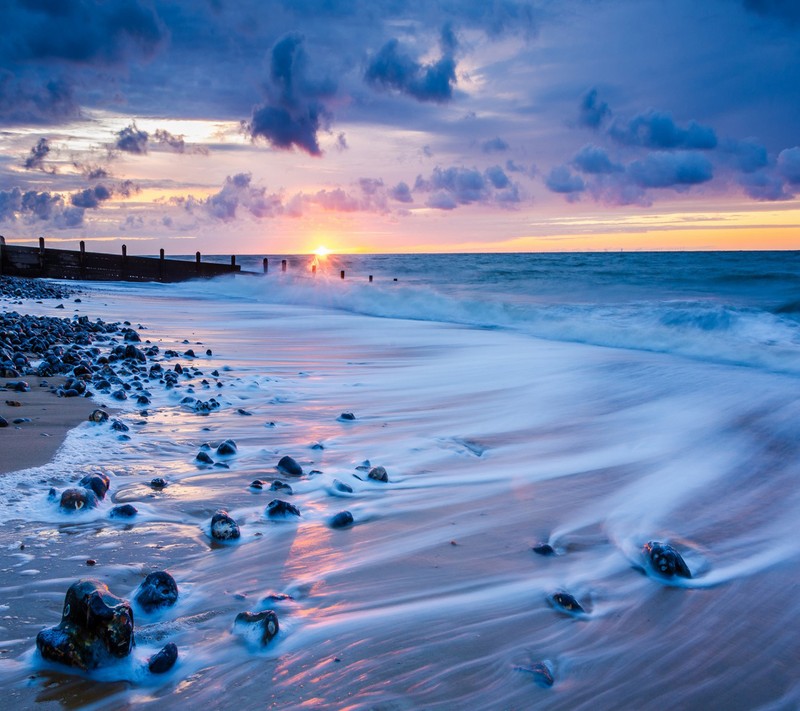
(16, 288)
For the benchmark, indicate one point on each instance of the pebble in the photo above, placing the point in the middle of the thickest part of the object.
(289, 466)
(378, 474)
(343, 519)
(223, 527)
(157, 590)
(278, 507)
(164, 660)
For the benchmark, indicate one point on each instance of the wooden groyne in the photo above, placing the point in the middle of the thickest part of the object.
(98, 266)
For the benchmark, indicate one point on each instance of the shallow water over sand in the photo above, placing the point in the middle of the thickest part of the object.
(494, 441)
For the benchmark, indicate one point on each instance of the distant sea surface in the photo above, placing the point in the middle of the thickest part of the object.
(592, 402)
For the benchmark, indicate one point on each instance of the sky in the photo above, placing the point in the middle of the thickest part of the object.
(278, 126)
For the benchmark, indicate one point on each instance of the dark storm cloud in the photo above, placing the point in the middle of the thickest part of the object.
(789, 164)
(33, 207)
(591, 111)
(666, 170)
(763, 186)
(131, 140)
(36, 100)
(391, 68)
(450, 187)
(747, 156)
(295, 110)
(91, 197)
(494, 145)
(594, 160)
(36, 158)
(562, 180)
(237, 192)
(657, 129)
(401, 192)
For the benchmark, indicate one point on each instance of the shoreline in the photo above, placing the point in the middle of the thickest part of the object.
(51, 418)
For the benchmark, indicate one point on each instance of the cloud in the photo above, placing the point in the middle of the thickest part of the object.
(761, 186)
(33, 206)
(392, 69)
(657, 129)
(91, 197)
(747, 156)
(236, 192)
(36, 158)
(401, 192)
(131, 140)
(497, 177)
(561, 180)
(494, 145)
(295, 111)
(787, 10)
(595, 161)
(591, 111)
(666, 170)
(442, 200)
(789, 164)
(31, 100)
(450, 187)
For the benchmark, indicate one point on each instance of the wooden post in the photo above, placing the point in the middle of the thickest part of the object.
(233, 260)
(283, 265)
(123, 269)
(266, 265)
(370, 278)
(82, 259)
(2, 244)
(314, 269)
(341, 273)
(41, 257)
(197, 262)
(161, 265)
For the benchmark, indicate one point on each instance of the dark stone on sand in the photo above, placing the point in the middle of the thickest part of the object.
(123, 511)
(96, 628)
(244, 412)
(347, 416)
(77, 499)
(279, 485)
(158, 482)
(20, 386)
(278, 507)
(290, 467)
(204, 458)
(317, 446)
(157, 590)
(343, 519)
(541, 672)
(341, 486)
(265, 622)
(665, 560)
(119, 426)
(143, 400)
(164, 660)
(3, 422)
(564, 602)
(209, 352)
(544, 549)
(257, 484)
(227, 448)
(119, 394)
(223, 527)
(98, 416)
(21, 420)
(98, 483)
(378, 474)
(189, 353)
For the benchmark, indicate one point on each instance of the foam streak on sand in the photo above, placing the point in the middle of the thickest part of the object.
(493, 441)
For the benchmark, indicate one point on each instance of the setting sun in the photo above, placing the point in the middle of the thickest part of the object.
(322, 252)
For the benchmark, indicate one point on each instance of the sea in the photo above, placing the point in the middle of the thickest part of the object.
(594, 403)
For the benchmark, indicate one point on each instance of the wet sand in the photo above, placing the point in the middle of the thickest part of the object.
(34, 443)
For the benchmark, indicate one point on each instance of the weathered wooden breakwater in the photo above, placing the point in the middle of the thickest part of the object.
(42, 261)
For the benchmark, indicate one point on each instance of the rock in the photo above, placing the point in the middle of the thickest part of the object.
(3, 422)
(98, 483)
(278, 507)
(542, 673)
(244, 412)
(564, 602)
(264, 624)
(544, 549)
(223, 527)
(665, 560)
(343, 519)
(341, 486)
(96, 628)
(123, 511)
(257, 484)
(204, 458)
(76, 499)
(378, 474)
(158, 483)
(164, 660)
(347, 417)
(119, 426)
(209, 352)
(290, 467)
(157, 590)
(279, 485)
(98, 416)
(117, 394)
(227, 448)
